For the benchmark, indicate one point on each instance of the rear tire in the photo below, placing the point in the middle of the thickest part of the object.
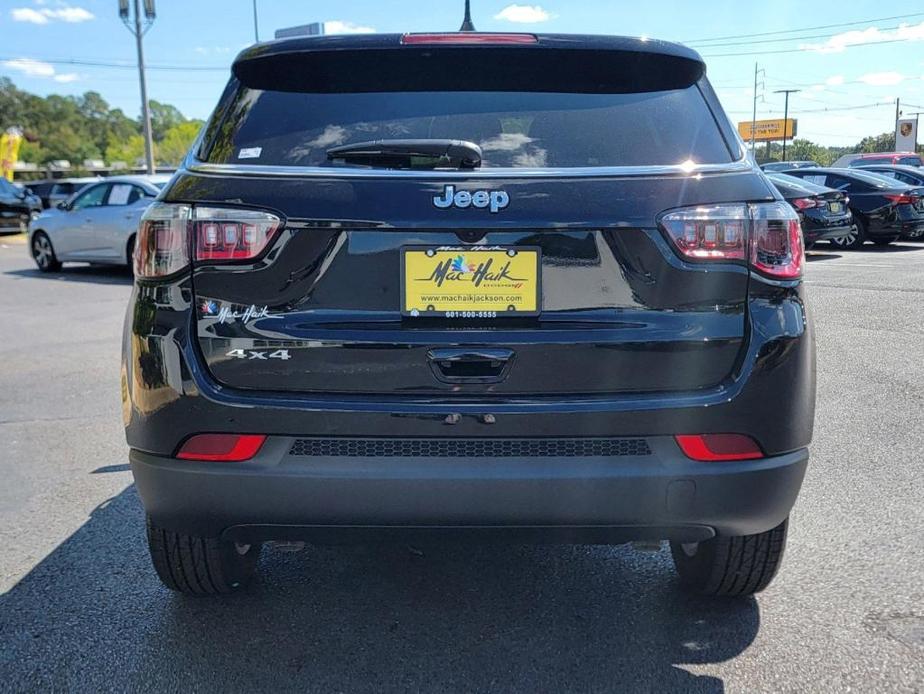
(130, 254)
(43, 253)
(731, 566)
(853, 241)
(197, 565)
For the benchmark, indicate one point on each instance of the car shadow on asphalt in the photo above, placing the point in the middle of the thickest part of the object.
(97, 274)
(896, 247)
(817, 255)
(92, 616)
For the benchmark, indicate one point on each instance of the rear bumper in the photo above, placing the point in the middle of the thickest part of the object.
(662, 495)
(819, 233)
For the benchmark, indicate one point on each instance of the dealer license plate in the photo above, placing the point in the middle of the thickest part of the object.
(470, 281)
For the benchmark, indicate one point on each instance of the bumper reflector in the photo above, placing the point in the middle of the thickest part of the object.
(232, 448)
(717, 447)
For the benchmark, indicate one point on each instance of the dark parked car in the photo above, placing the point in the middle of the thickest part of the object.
(469, 285)
(891, 158)
(909, 175)
(56, 190)
(883, 209)
(787, 165)
(823, 212)
(17, 207)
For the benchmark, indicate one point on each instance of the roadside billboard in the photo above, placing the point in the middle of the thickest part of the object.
(768, 130)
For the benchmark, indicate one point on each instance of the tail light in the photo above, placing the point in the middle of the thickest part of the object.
(806, 203)
(232, 234)
(162, 247)
(902, 199)
(776, 241)
(230, 448)
(217, 233)
(768, 235)
(717, 232)
(719, 447)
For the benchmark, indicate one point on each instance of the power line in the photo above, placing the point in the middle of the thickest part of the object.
(113, 64)
(792, 38)
(799, 50)
(813, 28)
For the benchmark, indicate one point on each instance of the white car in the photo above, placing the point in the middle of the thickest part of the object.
(96, 225)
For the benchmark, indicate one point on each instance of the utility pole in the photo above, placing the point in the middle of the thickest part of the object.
(256, 31)
(754, 114)
(139, 31)
(898, 114)
(787, 92)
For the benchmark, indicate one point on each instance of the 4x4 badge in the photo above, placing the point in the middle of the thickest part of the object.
(494, 200)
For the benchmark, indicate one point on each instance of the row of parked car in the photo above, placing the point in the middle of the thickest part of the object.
(20, 203)
(877, 198)
(96, 223)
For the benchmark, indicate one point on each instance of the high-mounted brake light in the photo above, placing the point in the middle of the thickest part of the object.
(230, 448)
(719, 447)
(218, 233)
(767, 234)
(467, 37)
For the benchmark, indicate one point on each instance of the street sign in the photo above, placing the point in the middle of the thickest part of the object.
(767, 130)
(906, 135)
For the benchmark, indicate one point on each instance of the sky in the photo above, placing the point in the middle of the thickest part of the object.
(849, 74)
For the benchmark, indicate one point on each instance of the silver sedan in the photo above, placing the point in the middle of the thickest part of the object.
(95, 225)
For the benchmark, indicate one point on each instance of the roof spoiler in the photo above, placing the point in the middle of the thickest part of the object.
(550, 63)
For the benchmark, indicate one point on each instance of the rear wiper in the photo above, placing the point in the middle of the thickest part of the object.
(410, 154)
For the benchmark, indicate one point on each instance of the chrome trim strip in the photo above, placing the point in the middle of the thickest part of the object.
(196, 166)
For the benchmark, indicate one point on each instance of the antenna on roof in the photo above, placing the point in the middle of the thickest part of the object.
(467, 20)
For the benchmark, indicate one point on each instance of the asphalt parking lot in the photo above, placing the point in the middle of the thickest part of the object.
(81, 609)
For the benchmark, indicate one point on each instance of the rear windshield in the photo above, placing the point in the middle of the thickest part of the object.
(876, 180)
(911, 161)
(796, 186)
(514, 129)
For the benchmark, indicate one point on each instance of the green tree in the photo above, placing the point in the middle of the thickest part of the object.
(878, 143)
(172, 149)
(128, 149)
(163, 117)
(808, 151)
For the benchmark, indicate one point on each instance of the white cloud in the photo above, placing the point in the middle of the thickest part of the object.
(219, 50)
(834, 80)
(840, 42)
(882, 79)
(71, 15)
(337, 26)
(38, 68)
(524, 14)
(64, 13)
(30, 68)
(27, 14)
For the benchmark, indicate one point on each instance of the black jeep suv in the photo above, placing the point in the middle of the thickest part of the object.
(468, 285)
